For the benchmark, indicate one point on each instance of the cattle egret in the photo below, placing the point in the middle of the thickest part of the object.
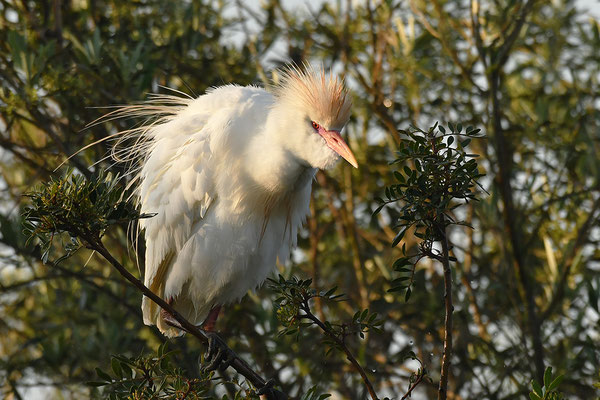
(228, 176)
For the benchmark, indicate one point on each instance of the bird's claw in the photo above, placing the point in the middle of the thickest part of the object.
(266, 388)
(218, 355)
(271, 393)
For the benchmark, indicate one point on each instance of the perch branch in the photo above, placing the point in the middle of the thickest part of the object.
(238, 364)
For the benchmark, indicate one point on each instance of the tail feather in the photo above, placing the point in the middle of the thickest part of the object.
(156, 283)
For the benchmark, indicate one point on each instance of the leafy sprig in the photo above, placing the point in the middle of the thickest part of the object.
(550, 389)
(150, 377)
(293, 311)
(72, 208)
(435, 175)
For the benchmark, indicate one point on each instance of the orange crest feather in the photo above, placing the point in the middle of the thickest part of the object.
(323, 95)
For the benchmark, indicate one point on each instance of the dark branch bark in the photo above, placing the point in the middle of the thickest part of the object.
(510, 213)
(449, 307)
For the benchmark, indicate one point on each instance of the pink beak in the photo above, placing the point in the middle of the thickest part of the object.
(336, 143)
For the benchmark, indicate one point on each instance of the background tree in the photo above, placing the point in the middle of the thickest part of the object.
(527, 292)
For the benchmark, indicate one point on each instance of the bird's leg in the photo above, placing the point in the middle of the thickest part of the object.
(168, 318)
(209, 323)
(218, 355)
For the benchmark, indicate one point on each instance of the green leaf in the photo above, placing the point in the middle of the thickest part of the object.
(547, 376)
(400, 281)
(537, 388)
(399, 176)
(407, 295)
(398, 237)
(364, 314)
(533, 396)
(554, 384)
(378, 209)
(103, 375)
(116, 368)
(401, 262)
(127, 371)
(396, 289)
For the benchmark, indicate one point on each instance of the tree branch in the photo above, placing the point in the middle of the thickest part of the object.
(238, 364)
(513, 35)
(580, 240)
(446, 362)
(416, 383)
(510, 213)
(309, 315)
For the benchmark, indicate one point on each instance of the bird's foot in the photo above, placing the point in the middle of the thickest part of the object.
(267, 390)
(219, 355)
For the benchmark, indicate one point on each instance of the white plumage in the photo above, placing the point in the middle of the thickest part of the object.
(229, 176)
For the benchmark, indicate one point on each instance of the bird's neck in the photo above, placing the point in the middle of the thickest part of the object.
(273, 167)
(278, 172)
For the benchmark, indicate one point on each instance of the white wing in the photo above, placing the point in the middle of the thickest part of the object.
(177, 183)
(177, 186)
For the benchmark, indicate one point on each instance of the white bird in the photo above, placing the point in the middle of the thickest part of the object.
(228, 176)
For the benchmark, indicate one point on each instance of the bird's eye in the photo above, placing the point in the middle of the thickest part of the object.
(315, 126)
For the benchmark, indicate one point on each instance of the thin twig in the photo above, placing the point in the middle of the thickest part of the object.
(309, 315)
(416, 383)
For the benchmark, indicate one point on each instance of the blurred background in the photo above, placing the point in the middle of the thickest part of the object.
(527, 279)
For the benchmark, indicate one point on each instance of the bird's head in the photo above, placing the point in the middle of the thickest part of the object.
(312, 108)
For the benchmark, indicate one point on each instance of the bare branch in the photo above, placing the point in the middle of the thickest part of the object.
(446, 362)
